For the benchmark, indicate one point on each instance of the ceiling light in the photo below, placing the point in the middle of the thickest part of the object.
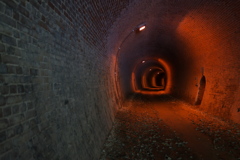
(140, 27)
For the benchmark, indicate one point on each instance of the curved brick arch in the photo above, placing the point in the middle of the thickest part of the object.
(58, 96)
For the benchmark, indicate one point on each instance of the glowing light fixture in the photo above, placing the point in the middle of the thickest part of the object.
(142, 28)
(143, 61)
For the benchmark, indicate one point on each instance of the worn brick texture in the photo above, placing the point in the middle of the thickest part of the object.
(57, 100)
(58, 95)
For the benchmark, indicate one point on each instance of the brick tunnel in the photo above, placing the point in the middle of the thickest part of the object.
(73, 74)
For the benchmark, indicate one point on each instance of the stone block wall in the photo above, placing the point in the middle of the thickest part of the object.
(57, 99)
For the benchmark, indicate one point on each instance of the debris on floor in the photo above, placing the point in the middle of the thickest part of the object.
(140, 134)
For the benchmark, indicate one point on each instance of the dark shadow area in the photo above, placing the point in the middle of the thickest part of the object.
(161, 80)
(201, 90)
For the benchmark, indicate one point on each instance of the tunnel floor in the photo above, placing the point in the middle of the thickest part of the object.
(164, 128)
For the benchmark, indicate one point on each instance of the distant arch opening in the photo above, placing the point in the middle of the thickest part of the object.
(160, 80)
(201, 90)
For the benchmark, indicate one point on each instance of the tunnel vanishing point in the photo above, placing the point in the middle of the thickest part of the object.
(67, 66)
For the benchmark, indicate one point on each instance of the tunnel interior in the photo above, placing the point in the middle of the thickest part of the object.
(69, 68)
(183, 42)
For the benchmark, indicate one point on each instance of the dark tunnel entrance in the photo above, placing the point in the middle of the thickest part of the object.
(151, 80)
(160, 80)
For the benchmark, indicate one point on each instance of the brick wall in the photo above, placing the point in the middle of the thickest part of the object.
(57, 92)
(210, 36)
(56, 95)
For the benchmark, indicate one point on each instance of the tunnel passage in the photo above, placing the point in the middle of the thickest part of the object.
(159, 79)
(186, 39)
(146, 76)
(66, 67)
(149, 77)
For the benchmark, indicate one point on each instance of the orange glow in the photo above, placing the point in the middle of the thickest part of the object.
(144, 77)
(134, 86)
(210, 38)
(169, 75)
(204, 41)
(150, 92)
(169, 81)
(154, 79)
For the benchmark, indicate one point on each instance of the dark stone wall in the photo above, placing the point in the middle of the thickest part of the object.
(57, 100)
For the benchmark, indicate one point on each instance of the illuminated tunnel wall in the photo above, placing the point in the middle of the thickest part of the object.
(63, 76)
(195, 39)
(143, 74)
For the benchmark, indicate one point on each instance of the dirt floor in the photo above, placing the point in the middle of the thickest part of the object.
(163, 128)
